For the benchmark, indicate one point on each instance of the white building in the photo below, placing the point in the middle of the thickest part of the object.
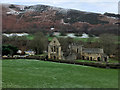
(29, 52)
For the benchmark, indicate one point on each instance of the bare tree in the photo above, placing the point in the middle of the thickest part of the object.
(108, 43)
(39, 43)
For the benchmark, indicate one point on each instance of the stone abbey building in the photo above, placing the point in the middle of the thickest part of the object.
(75, 52)
(54, 50)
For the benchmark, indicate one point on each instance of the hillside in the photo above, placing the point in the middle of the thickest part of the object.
(19, 18)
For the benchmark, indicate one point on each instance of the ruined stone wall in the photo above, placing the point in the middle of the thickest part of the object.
(91, 56)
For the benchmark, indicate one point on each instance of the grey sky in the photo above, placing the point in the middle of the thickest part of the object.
(99, 6)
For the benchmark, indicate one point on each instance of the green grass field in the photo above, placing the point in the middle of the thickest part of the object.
(30, 37)
(43, 74)
(93, 39)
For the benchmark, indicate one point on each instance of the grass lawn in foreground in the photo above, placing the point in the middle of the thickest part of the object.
(43, 74)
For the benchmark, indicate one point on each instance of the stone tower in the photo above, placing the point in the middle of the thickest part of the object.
(54, 49)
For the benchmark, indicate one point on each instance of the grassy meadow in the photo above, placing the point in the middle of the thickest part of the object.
(92, 39)
(25, 73)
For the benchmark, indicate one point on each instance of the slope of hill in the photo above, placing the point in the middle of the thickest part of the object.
(19, 18)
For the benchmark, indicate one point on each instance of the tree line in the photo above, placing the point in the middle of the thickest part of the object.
(40, 42)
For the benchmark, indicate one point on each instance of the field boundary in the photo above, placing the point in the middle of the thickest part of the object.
(93, 64)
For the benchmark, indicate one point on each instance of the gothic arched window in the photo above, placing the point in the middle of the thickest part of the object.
(54, 49)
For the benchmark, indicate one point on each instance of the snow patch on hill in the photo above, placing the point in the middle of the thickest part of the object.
(15, 34)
